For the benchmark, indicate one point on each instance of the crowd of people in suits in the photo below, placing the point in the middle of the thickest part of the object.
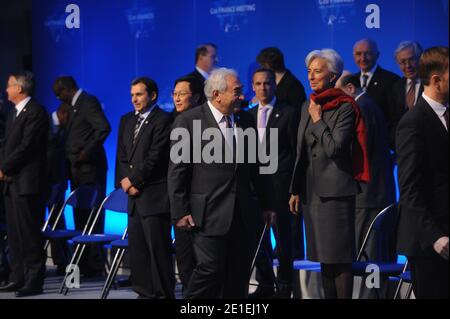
(336, 153)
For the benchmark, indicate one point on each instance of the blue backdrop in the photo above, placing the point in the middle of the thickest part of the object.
(104, 44)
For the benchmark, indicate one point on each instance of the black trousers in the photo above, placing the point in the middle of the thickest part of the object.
(284, 249)
(223, 263)
(429, 276)
(25, 217)
(184, 252)
(150, 251)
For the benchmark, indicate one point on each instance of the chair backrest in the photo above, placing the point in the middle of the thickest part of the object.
(116, 201)
(83, 197)
(384, 227)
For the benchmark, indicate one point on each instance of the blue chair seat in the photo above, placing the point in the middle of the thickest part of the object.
(122, 243)
(61, 234)
(95, 239)
(3, 227)
(388, 269)
(406, 276)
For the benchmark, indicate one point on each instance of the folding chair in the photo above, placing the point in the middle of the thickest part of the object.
(121, 246)
(116, 201)
(385, 223)
(405, 277)
(83, 197)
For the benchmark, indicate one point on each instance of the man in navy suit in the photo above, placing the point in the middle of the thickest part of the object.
(271, 113)
(141, 171)
(422, 153)
(375, 81)
(23, 170)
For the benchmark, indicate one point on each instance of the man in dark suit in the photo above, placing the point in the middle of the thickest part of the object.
(375, 81)
(380, 191)
(141, 171)
(271, 113)
(422, 153)
(23, 168)
(408, 89)
(86, 131)
(205, 61)
(213, 197)
(289, 90)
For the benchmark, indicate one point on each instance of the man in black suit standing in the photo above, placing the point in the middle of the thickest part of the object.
(271, 113)
(215, 199)
(86, 131)
(375, 81)
(289, 90)
(380, 191)
(408, 89)
(23, 169)
(205, 61)
(141, 171)
(422, 153)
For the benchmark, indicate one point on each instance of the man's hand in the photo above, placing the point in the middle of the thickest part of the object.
(294, 204)
(186, 222)
(269, 216)
(2, 176)
(82, 157)
(315, 111)
(133, 191)
(125, 184)
(441, 247)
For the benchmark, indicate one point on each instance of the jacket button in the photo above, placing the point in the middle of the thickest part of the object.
(131, 166)
(314, 155)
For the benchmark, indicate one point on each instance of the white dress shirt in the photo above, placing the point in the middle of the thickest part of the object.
(76, 96)
(21, 105)
(269, 106)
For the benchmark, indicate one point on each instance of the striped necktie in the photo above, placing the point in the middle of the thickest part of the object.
(139, 120)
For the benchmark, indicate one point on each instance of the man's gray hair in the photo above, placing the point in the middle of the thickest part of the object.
(217, 81)
(26, 80)
(334, 61)
(415, 46)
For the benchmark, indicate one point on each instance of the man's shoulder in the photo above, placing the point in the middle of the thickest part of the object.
(386, 75)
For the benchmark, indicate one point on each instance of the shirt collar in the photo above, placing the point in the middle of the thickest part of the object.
(437, 107)
(203, 73)
(21, 105)
(371, 71)
(146, 113)
(76, 96)
(218, 116)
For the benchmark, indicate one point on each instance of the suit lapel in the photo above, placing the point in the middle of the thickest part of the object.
(305, 118)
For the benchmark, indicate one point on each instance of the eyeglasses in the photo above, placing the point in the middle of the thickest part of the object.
(410, 61)
(180, 94)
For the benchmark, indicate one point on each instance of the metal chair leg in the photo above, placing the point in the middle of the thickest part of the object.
(110, 274)
(113, 274)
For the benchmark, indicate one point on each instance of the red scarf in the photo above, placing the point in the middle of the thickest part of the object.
(333, 98)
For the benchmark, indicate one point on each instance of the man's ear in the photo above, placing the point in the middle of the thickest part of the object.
(153, 96)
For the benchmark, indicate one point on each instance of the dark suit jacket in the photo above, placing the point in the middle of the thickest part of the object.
(398, 107)
(201, 80)
(379, 89)
(145, 162)
(291, 91)
(422, 155)
(209, 191)
(23, 156)
(285, 119)
(332, 170)
(380, 191)
(86, 131)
